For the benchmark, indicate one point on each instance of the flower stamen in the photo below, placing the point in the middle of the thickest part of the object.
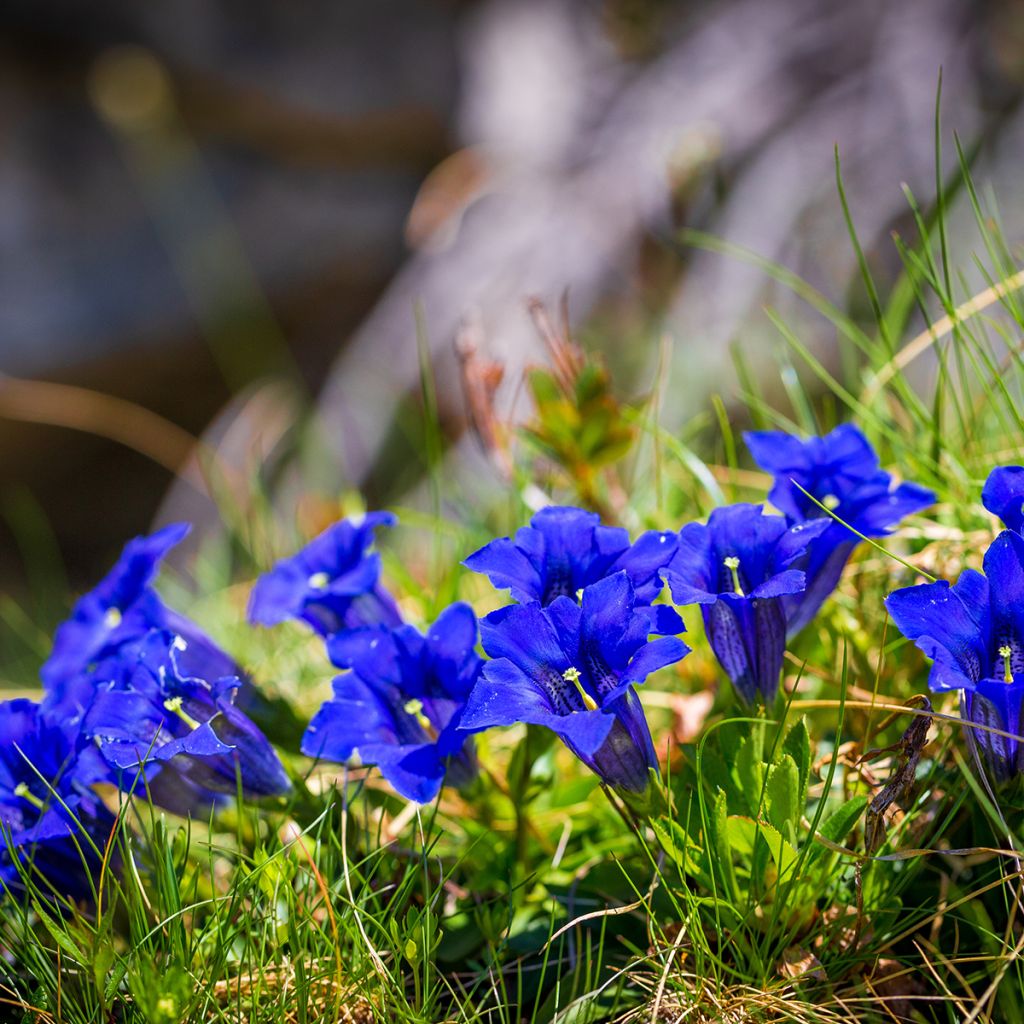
(21, 790)
(1004, 652)
(112, 618)
(414, 707)
(732, 563)
(572, 675)
(173, 704)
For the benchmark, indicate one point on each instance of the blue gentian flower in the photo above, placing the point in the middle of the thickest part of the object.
(156, 715)
(400, 706)
(564, 550)
(1003, 495)
(572, 668)
(50, 817)
(841, 470)
(739, 569)
(974, 633)
(332, 584)
(117, 613)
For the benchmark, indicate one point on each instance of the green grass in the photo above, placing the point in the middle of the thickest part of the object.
(533, 896)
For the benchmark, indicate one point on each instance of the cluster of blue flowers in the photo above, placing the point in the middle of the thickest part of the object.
(136, 695)
(587, 626)
(973, 630)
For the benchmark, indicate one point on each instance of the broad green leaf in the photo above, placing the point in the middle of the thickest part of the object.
(837, 826)
(719, 846)
(63, 939)
(798, 745)
(783, 806)
(748, 770)
(688, 855)
(745, 835)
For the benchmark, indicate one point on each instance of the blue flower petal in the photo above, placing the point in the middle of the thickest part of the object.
(349, 647)
(1004, 569)
(951, 625)
(644, 560)
(662, 619)
(657, 654)
(452, 645)
(1003, 495)
(995, 704)
(727, 624)
(790, 581)
(505, 695)
(507, 566)
(823, 572)
(525, 636)
(688, 573)
(415, 774)
(354, 718)
(874, 516)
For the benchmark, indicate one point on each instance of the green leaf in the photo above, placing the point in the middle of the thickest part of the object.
(783, 806)
(745, 835)
(798, 745)
(686, 852)
(103, 960)
(64, 939)
(748, 770)
(719, 845)
(114, 979)
(838, 825)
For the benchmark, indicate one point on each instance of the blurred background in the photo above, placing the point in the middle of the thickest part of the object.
(251, 223)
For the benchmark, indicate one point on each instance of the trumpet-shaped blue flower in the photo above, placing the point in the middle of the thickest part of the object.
(572, 668)
(115, 615)
(841, 470)
(332, 584)
(1003, 495)
(739, 569)
(50, 817)
(400, 706)
(974, 633)
(564, 550)
(156, 715)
